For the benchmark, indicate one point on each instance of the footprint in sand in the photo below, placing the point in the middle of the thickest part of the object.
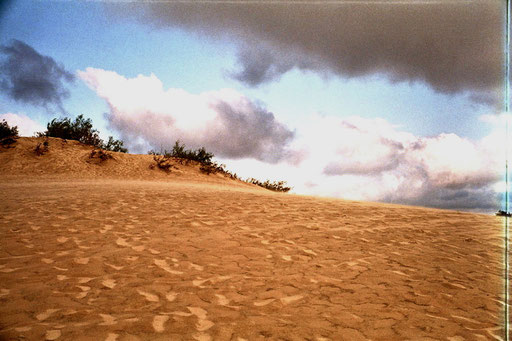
(109, 283)
(114, 266)
(202, 323)
(310, 252)
(121, 242)
(202, 337)
(85, 291)
(158, 323)
(112, 337)
(199, 282)
(44, 315)
(162, 264)
(148, 296)
(8, 270)
(81, 295)
(52, 334)
(222, 300)
(82, 261)
(196, 267)
(199, 312)
(83, 280)
(108, 320)
(290, 299)
(264, 302)
(171, 296)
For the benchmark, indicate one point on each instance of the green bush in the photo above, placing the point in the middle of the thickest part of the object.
(114, 145)
(81, 130)
(207, 166)
(277, 186)
(200, 155)
(8, 134)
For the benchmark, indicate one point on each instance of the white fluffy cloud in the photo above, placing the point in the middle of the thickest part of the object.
(225, 122)
(370, 159)
(350, 157)
(26, 126)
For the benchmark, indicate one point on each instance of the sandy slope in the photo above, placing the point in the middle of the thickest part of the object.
(162, 259)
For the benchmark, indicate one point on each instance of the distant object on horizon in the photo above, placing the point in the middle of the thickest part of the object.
(502, 213)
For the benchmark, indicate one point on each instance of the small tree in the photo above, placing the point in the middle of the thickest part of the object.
(81, 130)
(7, 131)
(114, 145)
(7, 134)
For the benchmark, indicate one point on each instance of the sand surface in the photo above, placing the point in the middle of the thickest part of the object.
(160, 259)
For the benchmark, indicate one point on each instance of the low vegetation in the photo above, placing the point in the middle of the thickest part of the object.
(81, 130)
(163, 162)
(42, 148)
(100, 154)
(181, 155)
(8, 135)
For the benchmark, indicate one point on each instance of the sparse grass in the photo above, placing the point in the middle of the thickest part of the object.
(181, 155)
(163, 162)
(101, 155)
(277, 186)
(42, 148)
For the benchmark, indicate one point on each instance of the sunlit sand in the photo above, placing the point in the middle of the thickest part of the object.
(117, 251)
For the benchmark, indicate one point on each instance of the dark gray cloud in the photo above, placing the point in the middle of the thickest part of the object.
(452, 46)
(480, 199)
(249, 131)
(29, 77)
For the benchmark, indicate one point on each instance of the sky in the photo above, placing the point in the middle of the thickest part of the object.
(391, 101)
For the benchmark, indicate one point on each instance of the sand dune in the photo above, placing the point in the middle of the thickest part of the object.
(107, 254)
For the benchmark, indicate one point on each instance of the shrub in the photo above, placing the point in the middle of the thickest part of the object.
(81, 130)
(42, 148)
(8, 134)
(100, 154)
(277, 186)
(163, 162)
(114, 145)
(200, 155)
(207, 166)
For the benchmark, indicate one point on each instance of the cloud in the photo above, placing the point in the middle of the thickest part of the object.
(26, 126)
(452, 46)
(224, 122)
(351, 157)
(371, 159)
(29, 77)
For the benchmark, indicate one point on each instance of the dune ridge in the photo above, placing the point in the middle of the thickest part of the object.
(117, 251)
